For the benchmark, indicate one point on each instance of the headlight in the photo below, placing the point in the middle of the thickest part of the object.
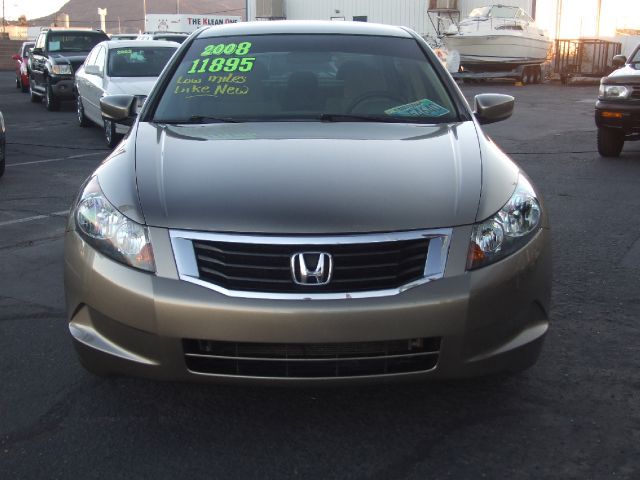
(614, 91)
(508, 230)
(110, 232)
(61, 69)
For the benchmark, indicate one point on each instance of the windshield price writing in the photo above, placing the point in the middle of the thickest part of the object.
(239, 49)
(215, 63)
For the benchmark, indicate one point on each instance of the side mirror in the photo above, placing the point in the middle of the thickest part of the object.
(493, 107)
(619, 61)
(93, 70)
(119, 108)
(17, 57)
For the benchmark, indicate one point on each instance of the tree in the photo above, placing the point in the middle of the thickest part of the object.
(22, 20)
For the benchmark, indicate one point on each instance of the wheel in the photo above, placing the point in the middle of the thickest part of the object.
(368, 96)
(33, 96)
(111, 137)
(83, 121)
(610, 142)
(18, 82)
(537, 74)
(50, 101)
(526, 76)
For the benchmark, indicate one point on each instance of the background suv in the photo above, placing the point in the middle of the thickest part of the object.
(22, 72)
(618, 106)
(58, 53)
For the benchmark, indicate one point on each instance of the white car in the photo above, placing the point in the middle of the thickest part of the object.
(118, 67)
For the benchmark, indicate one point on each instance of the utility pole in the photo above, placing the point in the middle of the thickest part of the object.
(3, 19)
(102, 13)
(144, 15)
(598, 18)
(558, 18)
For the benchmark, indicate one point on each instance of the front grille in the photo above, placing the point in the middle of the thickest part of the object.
(357, 267)
(635, 93)
(311, 360)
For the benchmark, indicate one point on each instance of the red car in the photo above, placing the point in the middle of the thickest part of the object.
(22, 60)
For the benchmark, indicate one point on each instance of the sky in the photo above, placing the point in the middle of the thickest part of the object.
(31, 8)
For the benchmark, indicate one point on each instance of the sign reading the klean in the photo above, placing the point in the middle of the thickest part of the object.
(185, 23)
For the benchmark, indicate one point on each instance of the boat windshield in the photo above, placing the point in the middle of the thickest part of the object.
(496, 11)
(480, 12)
(501, 11)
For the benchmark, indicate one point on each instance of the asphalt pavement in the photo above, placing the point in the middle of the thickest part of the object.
(575, 414)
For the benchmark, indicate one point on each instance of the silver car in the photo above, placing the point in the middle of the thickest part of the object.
(307, 202)
(118, 67)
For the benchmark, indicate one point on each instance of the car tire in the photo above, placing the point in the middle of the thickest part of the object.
(18, 82)
(83, 121)
(33, 96)
(51, 103)
(111, 137)
(610, 142)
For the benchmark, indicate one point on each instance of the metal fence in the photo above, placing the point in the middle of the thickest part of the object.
(584, 57)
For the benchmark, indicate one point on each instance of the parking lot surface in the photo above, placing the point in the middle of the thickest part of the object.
(575, 414)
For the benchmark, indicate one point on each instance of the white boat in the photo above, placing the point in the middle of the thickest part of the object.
(498, 34)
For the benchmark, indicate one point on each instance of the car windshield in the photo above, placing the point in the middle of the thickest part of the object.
(73, 41)
(138, 62)
(305, 77)
(635, 56)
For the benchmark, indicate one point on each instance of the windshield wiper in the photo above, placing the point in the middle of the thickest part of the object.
(201, 119)
(347, 117)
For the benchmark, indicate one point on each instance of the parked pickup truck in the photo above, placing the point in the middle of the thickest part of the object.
(618, 106)
(58, 53)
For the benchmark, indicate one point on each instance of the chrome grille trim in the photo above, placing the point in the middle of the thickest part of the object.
(312, 361)
(438, 250)
(339, 359)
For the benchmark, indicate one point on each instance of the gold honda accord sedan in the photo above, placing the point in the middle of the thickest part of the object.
(307, 202)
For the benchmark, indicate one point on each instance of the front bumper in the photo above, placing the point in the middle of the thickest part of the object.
(62, 86)
(128, 322)
(628, 120)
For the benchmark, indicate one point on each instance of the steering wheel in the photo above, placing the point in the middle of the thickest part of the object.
(369, 95)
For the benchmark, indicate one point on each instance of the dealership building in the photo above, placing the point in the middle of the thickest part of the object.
(423, 16)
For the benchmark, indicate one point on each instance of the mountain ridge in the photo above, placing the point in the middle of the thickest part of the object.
(126, 16)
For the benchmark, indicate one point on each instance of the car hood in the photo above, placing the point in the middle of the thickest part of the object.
(308, 177)
(624, 74)
(130, 85)
(69, 58)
